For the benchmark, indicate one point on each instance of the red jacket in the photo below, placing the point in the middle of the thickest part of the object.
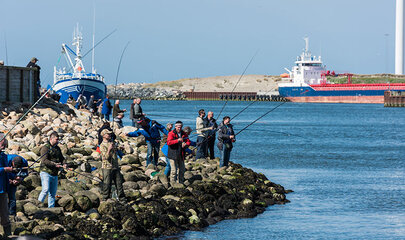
(175, 151)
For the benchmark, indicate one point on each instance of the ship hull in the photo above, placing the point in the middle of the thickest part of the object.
(338, 93)
(77, 86)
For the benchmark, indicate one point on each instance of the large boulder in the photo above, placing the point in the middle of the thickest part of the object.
(130, 159)
(68, 203)
(93, 197)
(30, 209)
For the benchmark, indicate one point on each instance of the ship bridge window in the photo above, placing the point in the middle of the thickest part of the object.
(312, 64)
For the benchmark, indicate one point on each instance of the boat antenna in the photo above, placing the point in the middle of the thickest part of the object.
(94, 34)
(243, 73)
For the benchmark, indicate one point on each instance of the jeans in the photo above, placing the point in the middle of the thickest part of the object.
(225, 155)
(201, 147)
(177, 171)
(49, 185)
(211, 146)
(110, 175)
(11, 200)
(134, 122)
(168, 167)
(106, 117)
(152, 155)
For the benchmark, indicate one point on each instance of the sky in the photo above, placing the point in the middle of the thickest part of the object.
(177, 39)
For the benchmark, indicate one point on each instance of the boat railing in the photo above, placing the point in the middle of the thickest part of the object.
(65, 76)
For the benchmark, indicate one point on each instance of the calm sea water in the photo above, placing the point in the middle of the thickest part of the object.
(345, 162)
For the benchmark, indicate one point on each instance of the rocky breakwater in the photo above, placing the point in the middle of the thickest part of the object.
(134, 90)
(154, 207)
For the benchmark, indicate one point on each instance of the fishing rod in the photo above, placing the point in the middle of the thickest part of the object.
(257, 119)
(250, 104)
(44, 94)
(285, 133)
(25, 114)
(118, 69)
(84, 175)
(116, 79)
(243, 73)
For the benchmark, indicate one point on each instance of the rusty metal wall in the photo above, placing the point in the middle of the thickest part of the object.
(394, 99)
(18, 84)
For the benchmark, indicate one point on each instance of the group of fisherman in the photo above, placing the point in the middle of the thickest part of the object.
(176, 143)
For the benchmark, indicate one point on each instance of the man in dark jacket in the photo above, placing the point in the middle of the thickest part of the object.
(136, 112)
(150, 130)
(51, 161)
(33, 64)
(116, 109)
(106, 109)
(15, 178)
(226, 137)
(178, 141)
(211, 134)
(4, 184)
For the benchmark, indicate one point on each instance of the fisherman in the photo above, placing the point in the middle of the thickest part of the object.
(106, 108)
(20, 171)
(106, 125)
(226, 137)
(136, 112)
(118, 120)
(165, 149)
(110, 167)
(52, 161)
(81, 102)
(33, 64)
(211, 134)
(71, 100)
(202, 128)
(116, 109)
(92, 105)
(177, 140)
(4, 184)
(150, 130)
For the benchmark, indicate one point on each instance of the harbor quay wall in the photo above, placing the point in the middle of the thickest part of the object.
(18, 84)
(394, 99)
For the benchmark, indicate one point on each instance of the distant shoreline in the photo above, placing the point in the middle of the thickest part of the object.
(173, 90)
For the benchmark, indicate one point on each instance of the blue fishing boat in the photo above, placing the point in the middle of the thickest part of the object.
(74, 80)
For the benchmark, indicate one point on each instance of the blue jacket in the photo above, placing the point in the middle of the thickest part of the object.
(150, 132)
(3, 175)
(13, 175)
(106, 107)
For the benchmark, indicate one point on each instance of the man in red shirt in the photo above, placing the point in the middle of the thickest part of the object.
(178, 141)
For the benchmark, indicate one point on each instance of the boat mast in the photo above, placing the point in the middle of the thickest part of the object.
(77, 41)
(94, 33)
